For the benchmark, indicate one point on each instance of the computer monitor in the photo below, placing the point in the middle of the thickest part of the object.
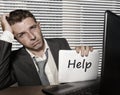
(110, 75)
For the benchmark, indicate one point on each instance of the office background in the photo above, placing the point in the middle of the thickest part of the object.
(81, 22)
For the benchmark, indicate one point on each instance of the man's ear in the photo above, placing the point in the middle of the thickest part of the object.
(38, 23)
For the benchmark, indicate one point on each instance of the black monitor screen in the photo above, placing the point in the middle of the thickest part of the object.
(110, 78)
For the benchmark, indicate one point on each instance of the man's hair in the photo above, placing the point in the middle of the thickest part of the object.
(19, 15)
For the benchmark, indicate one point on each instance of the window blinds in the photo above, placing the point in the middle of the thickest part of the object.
(79, 21)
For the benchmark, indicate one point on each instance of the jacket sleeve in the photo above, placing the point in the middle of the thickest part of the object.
(5, 70)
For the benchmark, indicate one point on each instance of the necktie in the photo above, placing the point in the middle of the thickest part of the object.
(41, 71)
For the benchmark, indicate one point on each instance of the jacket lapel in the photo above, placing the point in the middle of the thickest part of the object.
(54, 50)
(28, 64)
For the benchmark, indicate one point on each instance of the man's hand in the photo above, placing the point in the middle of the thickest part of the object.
(4, 23)
(83, 50)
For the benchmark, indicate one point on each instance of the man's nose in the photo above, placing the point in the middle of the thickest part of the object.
(31, 36)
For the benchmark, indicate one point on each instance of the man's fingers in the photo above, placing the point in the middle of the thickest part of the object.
(4, 23)
(84, 50)
(77, 48)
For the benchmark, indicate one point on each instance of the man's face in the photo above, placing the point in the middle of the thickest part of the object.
(28, 33)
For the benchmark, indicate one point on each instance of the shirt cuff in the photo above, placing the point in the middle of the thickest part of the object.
(7, 36)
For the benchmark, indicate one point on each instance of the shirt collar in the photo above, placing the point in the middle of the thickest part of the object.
(46, 47)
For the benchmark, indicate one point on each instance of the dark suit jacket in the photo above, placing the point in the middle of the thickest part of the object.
(17, 66)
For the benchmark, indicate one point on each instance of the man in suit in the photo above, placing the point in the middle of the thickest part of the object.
(20, 65)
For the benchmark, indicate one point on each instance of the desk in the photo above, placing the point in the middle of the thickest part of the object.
(36, 90)
(26, 90)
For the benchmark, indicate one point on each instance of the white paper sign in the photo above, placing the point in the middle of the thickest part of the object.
(73, 67)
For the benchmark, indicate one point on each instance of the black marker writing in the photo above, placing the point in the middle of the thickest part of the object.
(83, 65)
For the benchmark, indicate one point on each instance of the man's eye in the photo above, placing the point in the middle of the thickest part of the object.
(20, 35)
(33, 26)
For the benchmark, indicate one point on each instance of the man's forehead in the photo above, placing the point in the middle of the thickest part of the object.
(24, 25)
(25, 22)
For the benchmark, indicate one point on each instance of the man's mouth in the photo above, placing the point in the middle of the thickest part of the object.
(36, 43)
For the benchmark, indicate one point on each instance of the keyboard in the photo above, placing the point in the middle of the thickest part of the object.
(59, 90)
(93, 90)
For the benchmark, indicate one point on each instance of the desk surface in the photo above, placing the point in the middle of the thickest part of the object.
(37, 90)
(30, 90)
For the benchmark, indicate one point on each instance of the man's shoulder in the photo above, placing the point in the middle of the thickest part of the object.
(20, 51)
(58, 43)
(56, 40)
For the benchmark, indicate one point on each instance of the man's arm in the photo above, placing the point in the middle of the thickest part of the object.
(5, 70)
(5, 53)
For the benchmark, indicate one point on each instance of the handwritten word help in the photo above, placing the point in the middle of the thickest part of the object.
(79, 65)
